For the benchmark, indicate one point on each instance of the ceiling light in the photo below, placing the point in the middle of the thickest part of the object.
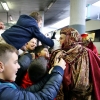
(50, 5)
(96, 4)
(5, 6)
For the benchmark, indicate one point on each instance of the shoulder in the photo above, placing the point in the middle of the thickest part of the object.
(9, 91)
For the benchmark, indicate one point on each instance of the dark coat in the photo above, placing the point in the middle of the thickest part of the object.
(23, 31)
(41, 91)
(24, 62)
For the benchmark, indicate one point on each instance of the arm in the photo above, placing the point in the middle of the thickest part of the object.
(48, 92)
(37, 87)
(41, 84)
(42, 37)
(25, 60)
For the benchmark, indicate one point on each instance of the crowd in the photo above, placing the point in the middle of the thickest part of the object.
(67, 69)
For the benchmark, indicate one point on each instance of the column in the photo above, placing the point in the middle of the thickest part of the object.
(77, 15)
(42, 14)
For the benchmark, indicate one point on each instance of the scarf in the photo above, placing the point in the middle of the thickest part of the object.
(77, 59)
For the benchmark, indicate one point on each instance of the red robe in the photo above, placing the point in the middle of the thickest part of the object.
(94, 73)
(92, 47)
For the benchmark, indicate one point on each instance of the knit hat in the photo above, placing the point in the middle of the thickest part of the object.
(37, 69)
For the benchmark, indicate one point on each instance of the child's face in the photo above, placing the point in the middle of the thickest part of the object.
(40, 24)
(44, 53)
(11, 67)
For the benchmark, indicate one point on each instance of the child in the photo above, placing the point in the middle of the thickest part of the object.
(24, 61)
(46, 89)
(26, 28)
(40, 51)
(36, 71)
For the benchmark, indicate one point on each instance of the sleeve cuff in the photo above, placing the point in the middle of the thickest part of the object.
(58, 69)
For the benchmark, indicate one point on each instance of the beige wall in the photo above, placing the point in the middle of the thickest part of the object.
(97, 44)
(92, 25)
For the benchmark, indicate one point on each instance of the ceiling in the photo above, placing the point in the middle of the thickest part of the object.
(58, 11)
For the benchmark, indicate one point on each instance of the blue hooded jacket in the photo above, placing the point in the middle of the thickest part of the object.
(44, 90)
(23, 31)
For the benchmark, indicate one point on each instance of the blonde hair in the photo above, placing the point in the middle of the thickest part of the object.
(5, 49)
(36, 16)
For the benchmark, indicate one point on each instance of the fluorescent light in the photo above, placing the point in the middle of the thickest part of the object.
(5, 6)
(96, 4)
(50, 5)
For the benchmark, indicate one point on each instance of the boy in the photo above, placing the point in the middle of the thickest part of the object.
(25, 58)
(36, 71)
(45, 90)
(26, 28)
(40, 51)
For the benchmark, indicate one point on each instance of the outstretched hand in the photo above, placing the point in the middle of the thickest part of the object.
(60, 62)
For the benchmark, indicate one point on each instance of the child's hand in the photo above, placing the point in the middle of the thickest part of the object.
(60, 62)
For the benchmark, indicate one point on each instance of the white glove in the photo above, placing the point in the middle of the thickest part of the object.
(50, 70)
(56, 44)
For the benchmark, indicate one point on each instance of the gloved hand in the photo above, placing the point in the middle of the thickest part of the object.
(56, 44)
(53, 36)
